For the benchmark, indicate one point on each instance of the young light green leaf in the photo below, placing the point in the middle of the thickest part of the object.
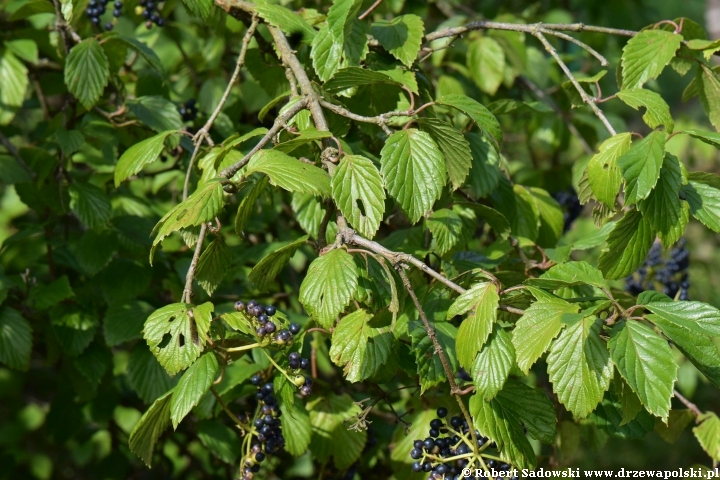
(486, 63)
(326, 53)
(194, 383)
(647, 364)
(414, 171)
(151, 425)
(711, 138)
(538, 326)
(646, 55)
(454, 147)
(15, 339)
(176, 334)
(214, 262)
(14, 80)
(267, 269)
(657, 111)
(357, 189)
(330, 283)
(663, 208)
(360, 349)
(290, 173)
(641, 164)
(603, 171)
(327, 417)
(493, 364)
(627, 246)
(429, 366)
(708, 434)
(704, 202)
(248, 205)
(286, 20)
(139, 155)
(703, 316)
(486, 121)
(87, 72)
(708, 92)
(579, 366)
(482, 302)
(400, 36)
(304, 138)
(568, 274)
(90, 204)
(446, 228)
(201, 8)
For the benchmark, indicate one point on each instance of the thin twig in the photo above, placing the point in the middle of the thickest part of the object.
(226, 408)
(527, 28)
(187, 291)
(370, 9)
(691, 406)
(16, 154)
(584, 46)
(191, 163)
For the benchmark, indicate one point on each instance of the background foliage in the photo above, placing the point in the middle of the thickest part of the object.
(98, 238)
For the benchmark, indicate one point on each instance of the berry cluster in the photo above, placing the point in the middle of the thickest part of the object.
(438, 454)
(188, 110)
(269, 438)
(297, 363)
(570, 205)
(96, 8)
(264, 325)
(151, 14)
(666, 275)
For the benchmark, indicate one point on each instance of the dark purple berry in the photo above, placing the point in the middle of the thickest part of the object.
(109, 26)
(261, 332)
(269, 310)
(269, 327)
(442, 412)
(256, 379)
(117, 12)
(258, 422)
(259, 456)
(294, 356)
(416, 453)
(251, 304)
(417, 467)
(418, 444)
(304, 363)
(262, 318)
(239, 306)
(305, 390)
(294, 328)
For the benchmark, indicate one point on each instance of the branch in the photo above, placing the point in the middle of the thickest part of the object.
(531, 28)
(370, 9)
(380, 120)
(187, 291)
(691, 406)
(15, 153)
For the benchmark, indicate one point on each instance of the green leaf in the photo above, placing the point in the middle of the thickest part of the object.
(538, 326)
(305, 137)
(248, 205)
(568, 274)
(482, 302)
(708, 91)
(608, 416)
(45, 296)
(484, 173)
(647, 364)
(446, 228)
(290, 173)
(454, 147)
(139, 155)
(70, 141)
(95, 250)
(295, 426)
(145, 375)
(355, 77)
(704, 316)
(30, 8)
(200, 8)
(429, 366)
(222, 441)
(486, 121)
(708, 434)
(124, 321)
(603, 170)
(360, 349)
(704, 202)
(516, 204)
(356, 43)
(486, 63)
(627, 246)
(400, 36)
(414, 171)
(264, 273)
(157, 113)
(657, 111)
(327, 417)
(579, 366)
(176, 334)
(286, 20)
(151, 425)
(214, 263)
(641, 164)
(14, 81)
(493, 364)
(494, 219)
(646, 55)
(532, 407)
(15, 339)
(87, 72)
(200, 207)
(711, 138)
(194, 383)
(663, 208)
(330, 283)
(326, 53)
(677, 422)
(551, 217)
(147, 53)
(357, 190)
(90, 204)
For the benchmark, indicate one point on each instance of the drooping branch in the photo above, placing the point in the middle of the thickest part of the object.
(188, 290)
(527, 28)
